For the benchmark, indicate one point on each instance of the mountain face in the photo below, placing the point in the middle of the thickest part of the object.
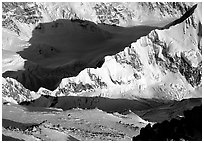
(121, 14)
(143, 69)
(56, 57)
(13, 91)
(101, 71)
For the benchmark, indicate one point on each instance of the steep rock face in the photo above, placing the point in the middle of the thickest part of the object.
(13, 91)
(129, 14)
(159, 65)
(122, 14)
(148, 62)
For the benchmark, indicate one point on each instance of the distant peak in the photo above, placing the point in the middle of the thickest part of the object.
(182, 18)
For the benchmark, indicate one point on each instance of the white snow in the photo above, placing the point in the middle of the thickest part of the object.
(63, 43)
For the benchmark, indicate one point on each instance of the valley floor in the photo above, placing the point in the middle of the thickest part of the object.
(53, 124)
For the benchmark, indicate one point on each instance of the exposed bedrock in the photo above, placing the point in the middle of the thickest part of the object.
(50, 65)
(49, 61)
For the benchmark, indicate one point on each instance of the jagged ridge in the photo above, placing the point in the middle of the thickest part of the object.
(134, 65)
(150, 53)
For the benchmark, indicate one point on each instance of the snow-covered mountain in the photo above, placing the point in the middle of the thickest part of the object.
(160, 64)
(75, 52)
(15, 92)
(101, 71)
(118, 13)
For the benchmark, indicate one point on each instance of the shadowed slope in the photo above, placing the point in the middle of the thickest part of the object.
(149, 109)
(105, 104)
(8, 138)
(187, 128)
(65, 47)
(12, 124)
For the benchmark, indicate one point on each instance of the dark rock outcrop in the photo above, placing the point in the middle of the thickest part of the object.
(187, 128)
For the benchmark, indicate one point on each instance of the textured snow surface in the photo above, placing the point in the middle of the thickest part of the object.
(50, 124)
(152, 63)
(15, 92)
(38, 123)
(144, 68)
(119, 13)
(97, 71)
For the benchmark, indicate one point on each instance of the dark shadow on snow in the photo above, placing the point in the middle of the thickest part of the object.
(8, 138)
(149, 109)
(37, 75)
(102, 103)
(12, 124)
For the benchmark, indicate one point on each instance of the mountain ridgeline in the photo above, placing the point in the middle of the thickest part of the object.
(113, 61)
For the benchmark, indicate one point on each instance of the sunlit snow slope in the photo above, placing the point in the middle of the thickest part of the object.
(164, 64)
(97, 71)
(129, 62)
